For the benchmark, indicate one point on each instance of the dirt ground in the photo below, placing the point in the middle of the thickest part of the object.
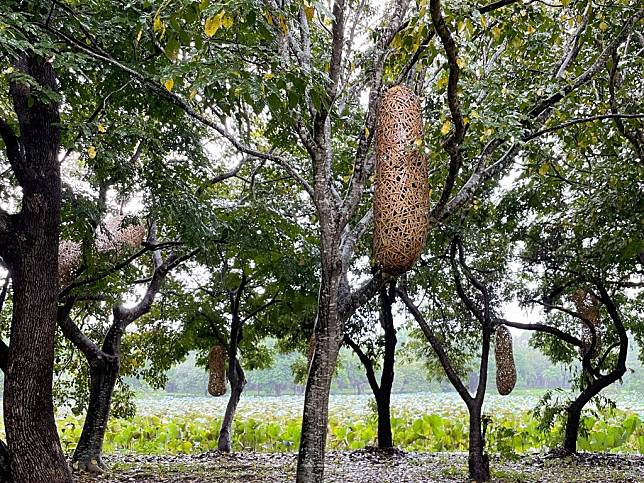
(366, 466)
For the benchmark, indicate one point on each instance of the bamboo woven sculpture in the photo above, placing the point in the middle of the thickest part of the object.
(69, 259)
(217, 371)
(311, 350)
(506, 373)
(401, 202)
(117, 235)
(588, 307)
(114, 236)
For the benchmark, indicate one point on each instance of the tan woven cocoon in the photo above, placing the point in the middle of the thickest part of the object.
(401, 202)
(116, 235)
(311, 350)
(506, 373)
(69, 259)
(217, 371)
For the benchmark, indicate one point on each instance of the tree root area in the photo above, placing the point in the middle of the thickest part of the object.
(365, 466)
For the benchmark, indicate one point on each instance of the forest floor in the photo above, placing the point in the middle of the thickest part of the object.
(365, 466)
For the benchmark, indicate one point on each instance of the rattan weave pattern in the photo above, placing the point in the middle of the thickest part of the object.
(217, 371)
(506, 373)
(587, 306)
(114, 236)
(401, 201)
(69, 259)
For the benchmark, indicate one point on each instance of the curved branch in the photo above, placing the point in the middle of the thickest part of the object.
(572, 340)
(581, 120)
(454, 141)
(438, 348)
(366, 362)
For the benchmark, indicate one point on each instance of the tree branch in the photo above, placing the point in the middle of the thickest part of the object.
(349, 304)
(572, 340)
(126, 316)
(437, 347)
(539, 112)
(83, 343)
(174, 99)
(366, 362)
(496, 5)
(453, 143)
(581, 120)
(12, 146)
(116, 267)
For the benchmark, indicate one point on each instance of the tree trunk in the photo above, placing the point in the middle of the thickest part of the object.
(237, 382)
(328, 338)
(572, 427)
(32, 258)
(103, 376)
(383, 397)
(383, 403)
(5, 469)
(478, 462)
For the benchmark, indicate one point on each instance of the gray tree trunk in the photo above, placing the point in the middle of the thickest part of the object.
(328, 338)
(88, 453)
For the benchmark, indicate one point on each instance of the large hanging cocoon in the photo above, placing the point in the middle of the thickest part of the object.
(217, 371)
(506, 373)
(401, 202)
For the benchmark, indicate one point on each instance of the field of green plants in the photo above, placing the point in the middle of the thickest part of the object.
(421, 422)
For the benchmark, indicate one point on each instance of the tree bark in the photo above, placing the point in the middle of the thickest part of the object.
(478, 461)
(5, 469)
(383, 397)
(383, 404)
(328, 338)
(237, 381)
(103, 375)
(31, 254)
(572, 427)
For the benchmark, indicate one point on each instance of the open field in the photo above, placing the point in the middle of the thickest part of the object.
(350, 405)
(420, 423)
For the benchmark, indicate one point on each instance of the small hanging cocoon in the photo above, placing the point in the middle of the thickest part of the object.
(116, 235)
(401, 201)
(588, 307)
(311, 350)
(69, 260)
(217, 371)
(506, 373)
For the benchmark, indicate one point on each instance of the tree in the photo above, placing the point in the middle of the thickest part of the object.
(385, 343)
(458, 331)
(29, 249)
(323, 73)
(104, 360)
(260, 284)
(575, 216)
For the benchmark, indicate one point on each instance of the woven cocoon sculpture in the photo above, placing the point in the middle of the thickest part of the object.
(401, 201)
(506, 373)
(588, 307)
(217, 371)
(311, 350)
(69, 259)
(116, 235)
